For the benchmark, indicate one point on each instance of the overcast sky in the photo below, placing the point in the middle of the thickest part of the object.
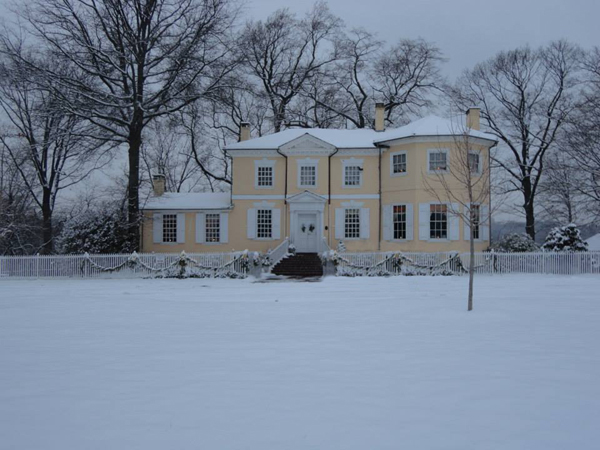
(466, 31)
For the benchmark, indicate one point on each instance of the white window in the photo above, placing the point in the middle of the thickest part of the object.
(475, 220)
(265, 177)
(352, 223)
(213, 228)
(474, 163)
(352, 175)
(398, 163)
(169, 228)
(264, 173)
(438, 221)
(438, 160)
(399, 221)
(308, 176)
(264, 223)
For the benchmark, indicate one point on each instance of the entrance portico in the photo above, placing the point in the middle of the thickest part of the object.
(306, 221)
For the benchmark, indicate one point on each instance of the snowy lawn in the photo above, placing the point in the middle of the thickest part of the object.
(364, 363)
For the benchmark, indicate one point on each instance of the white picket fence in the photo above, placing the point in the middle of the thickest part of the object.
(90, 266)
(552, 263)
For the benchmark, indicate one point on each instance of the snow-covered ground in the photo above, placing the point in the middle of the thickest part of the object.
(364, 363)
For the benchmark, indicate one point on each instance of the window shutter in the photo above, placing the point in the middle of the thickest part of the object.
(180, 228)
(387, 223)
(276, 224)
(484, 212)
(200, 228)
(409, 222)
(251, 223)
(339, 223)
(224, 231)
(424, 221)
(365, 223)
(454, 222)
(157, 228)
(467, 227)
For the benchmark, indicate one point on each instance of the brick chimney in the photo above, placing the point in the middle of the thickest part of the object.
(379, 116)
(158, 183)
(473, 115)
(244, 131)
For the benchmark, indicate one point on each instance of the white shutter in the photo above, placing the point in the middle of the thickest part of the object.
(467, 227)
(365, 223)
(387, 223)
(180, 228)
(339, 223)
(276, 223)
(409, 222)
(484, 214)
(251, 223)
(157, 228)
(453, 222)
(200, 228)
(224, 227)
(424, 218)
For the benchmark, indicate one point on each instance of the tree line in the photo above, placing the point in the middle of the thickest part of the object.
(163, 85)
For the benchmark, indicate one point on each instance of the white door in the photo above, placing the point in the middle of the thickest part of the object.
(306, 233)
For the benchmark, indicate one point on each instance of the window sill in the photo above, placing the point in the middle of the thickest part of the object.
(437, 172)
(264, 187)
(399, 174)
(352, 187)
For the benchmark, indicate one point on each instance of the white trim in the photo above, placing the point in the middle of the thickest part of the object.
(253, 153)
(355, 197)
(358, 151)
(352, 204)
(438, 150)
(264, 205)
(307, 144)
(260, 163)
(408, 218)
(438, 139)
(400, 174)
(307, 162)
(258, 197)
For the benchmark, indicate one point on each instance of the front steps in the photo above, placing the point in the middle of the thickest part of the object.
(300, 265)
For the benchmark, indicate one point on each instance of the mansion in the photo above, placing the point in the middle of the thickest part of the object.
(373, 190)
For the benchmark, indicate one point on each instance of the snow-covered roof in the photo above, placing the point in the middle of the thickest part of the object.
(594, 242)
(193, 200)
(362, 138)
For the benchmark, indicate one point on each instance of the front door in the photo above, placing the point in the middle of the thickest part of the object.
(306, 233)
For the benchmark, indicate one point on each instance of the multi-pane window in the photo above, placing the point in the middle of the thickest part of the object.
(213, 228)
(169, 228)
(352, 175)
(352, 223)
(399, 220)
(475, 220)
(308, 175)
(264, 222)
(474, 162)
(399, 163)
(438, 161)
(438, 222)
(264, 176)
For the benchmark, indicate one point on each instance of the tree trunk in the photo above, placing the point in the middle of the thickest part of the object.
(133, 188)
(528, 206)
(471, 267)
(47, 238)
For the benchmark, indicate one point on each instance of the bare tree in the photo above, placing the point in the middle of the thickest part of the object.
(165, 151)
(464, 186)
(284, 53)
(49, 147)
(143, 59)
(526, 97)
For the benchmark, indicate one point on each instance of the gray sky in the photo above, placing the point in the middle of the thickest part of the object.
(466, 31)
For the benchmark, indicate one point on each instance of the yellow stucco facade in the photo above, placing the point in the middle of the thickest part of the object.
(315, 192)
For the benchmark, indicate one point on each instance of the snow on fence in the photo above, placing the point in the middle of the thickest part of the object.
(233, 264)
(410, 263)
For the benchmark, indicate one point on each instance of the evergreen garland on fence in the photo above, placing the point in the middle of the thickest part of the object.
(182, 267)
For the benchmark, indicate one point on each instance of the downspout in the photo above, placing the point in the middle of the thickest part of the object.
(329, 195)
(490, 190)
(379, 211)
(285, 191)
